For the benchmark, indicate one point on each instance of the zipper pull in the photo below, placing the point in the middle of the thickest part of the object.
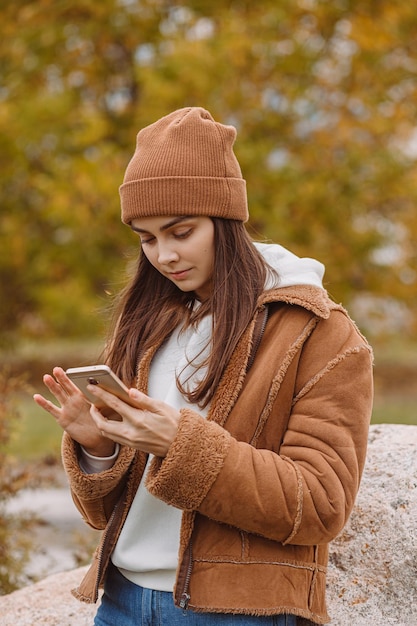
(185, 598)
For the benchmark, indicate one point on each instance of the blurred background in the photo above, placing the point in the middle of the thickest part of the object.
(324, 98)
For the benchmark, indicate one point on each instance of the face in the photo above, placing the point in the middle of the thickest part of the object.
(181, 249)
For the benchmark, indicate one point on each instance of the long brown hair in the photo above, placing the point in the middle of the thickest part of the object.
(151, 307)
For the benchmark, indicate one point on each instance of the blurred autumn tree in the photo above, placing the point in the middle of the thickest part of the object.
(324, 96)
(15, 530)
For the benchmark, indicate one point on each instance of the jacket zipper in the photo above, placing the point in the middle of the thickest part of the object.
(104, 545)
(185, 596)
(108, 533)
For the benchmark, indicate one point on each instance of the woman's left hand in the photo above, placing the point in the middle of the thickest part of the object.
(148, 425)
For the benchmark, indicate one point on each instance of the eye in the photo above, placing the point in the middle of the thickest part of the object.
(183, 234)
(145, 240)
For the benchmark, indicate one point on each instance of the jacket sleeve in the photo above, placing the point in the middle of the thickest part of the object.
(304, 493)
(95, 495)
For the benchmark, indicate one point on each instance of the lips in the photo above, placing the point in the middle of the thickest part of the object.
(180, 274)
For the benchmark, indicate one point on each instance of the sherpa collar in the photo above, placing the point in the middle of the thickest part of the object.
(309, 297)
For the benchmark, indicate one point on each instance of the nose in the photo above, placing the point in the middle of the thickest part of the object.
(166, 254)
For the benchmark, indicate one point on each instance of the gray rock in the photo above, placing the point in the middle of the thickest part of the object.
(373, 563)
(372, 577)
(47, 603)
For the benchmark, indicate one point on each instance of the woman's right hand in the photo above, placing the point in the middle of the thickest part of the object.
(73, 413)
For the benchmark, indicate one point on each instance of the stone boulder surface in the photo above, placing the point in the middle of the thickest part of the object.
(47, 603)
(373, 563)
(372, 577)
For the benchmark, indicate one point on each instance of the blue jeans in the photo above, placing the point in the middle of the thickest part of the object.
(126, 604)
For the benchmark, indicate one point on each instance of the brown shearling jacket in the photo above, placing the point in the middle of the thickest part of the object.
(267, 480)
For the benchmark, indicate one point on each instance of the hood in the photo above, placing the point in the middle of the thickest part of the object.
(291, 269)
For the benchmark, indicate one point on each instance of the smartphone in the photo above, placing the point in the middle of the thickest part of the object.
(100, 375)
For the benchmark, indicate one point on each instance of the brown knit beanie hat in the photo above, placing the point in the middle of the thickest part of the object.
(184, 165)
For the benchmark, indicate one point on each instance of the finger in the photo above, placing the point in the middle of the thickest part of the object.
(107, 427)
(144, 402)
(98, 417)
(109, 399)
(66, 383)
(55, 388)
(48, 406)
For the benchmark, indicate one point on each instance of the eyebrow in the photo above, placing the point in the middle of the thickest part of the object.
(166, 226)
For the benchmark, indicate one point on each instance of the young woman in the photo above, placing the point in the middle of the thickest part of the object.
(240, 456)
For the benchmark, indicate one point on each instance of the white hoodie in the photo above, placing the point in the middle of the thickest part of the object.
(291, 269)
(147, 550)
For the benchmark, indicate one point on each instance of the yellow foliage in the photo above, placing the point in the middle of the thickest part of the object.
(324, 96)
